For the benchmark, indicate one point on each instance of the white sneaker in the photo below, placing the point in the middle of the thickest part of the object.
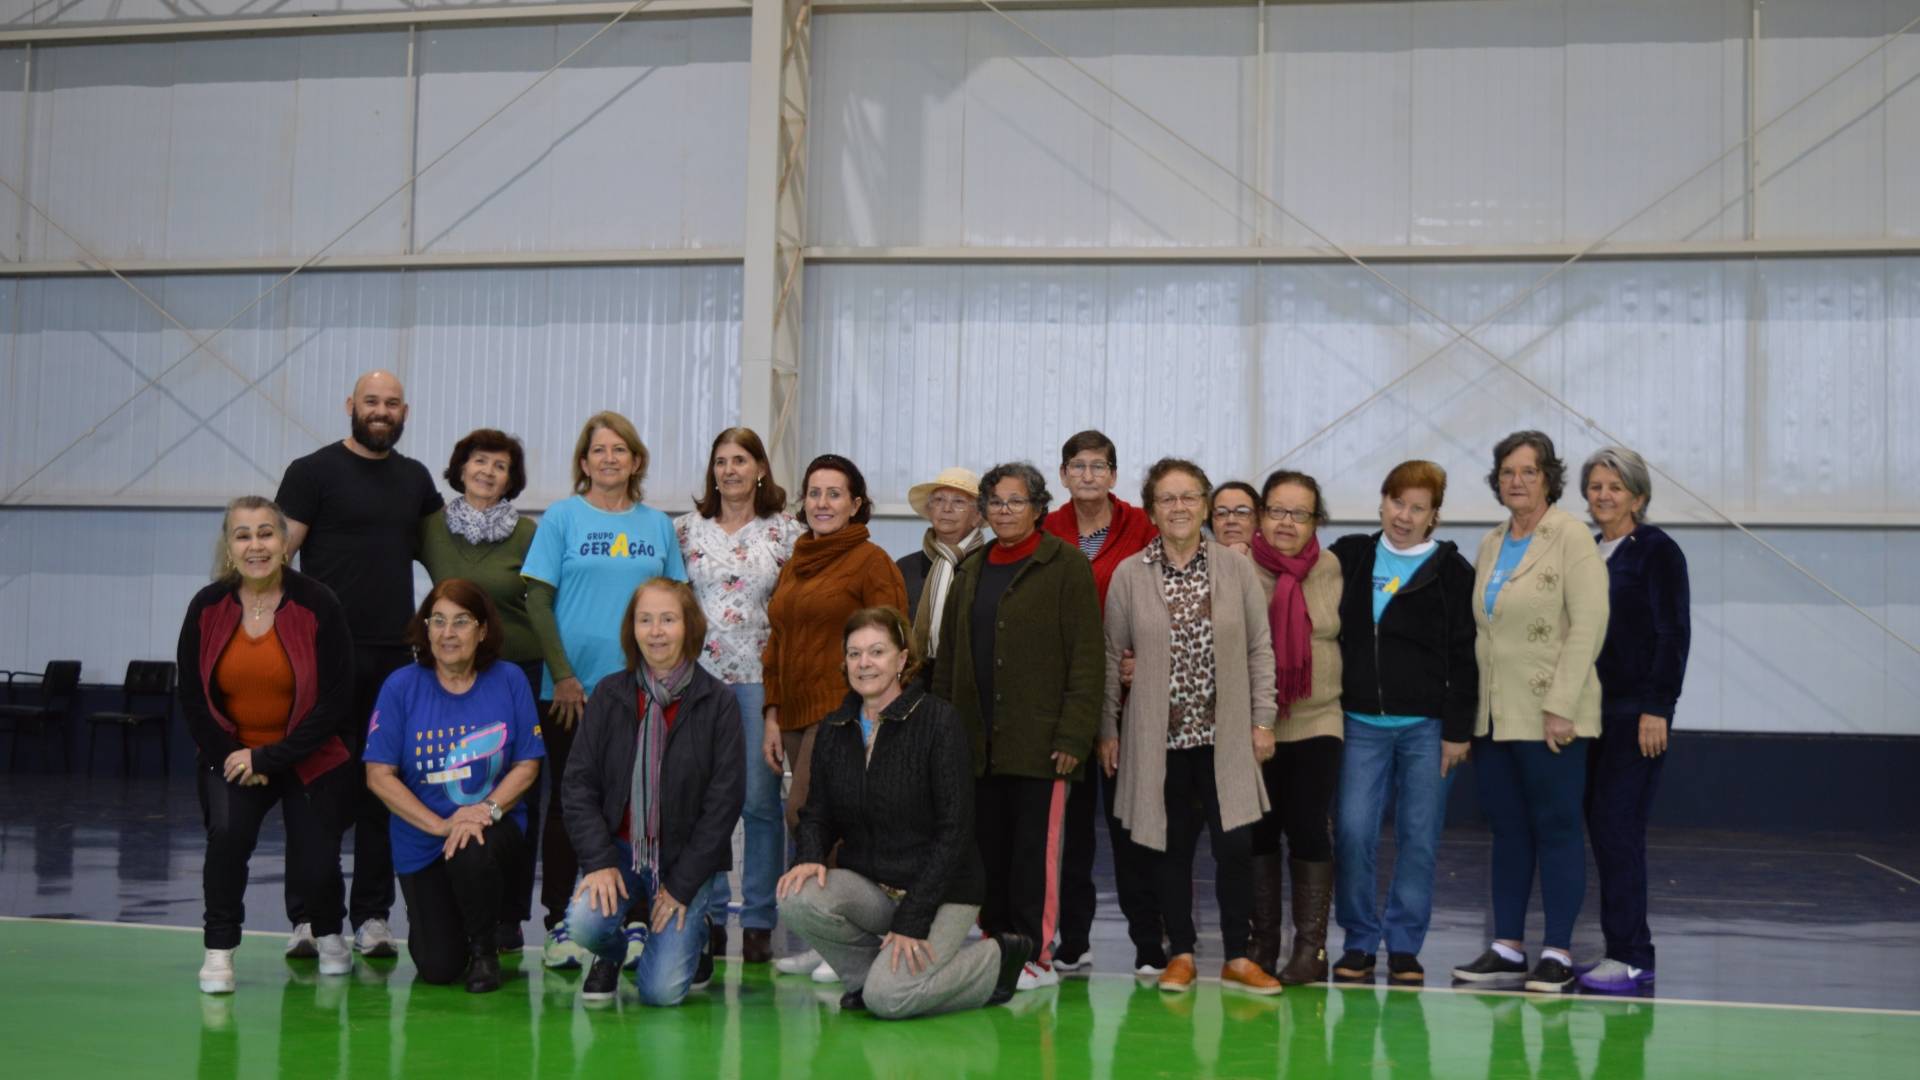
(300, 942)
(1035, 975)
(825, 973)
(1079, 965)
(798, 963)
(335, 959)
(216, 972)
(1148, 971)
(374, 938)
(560, 953)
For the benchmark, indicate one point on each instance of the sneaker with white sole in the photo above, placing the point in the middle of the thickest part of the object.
(824, 973)
(603, 981)
(300, 942)
(335, 957)
(636, 943)
(1036, 975)
(560, 952)
(798, 964)
(1081, 964)
(1615, 977)
(374, 938)
(216, 972)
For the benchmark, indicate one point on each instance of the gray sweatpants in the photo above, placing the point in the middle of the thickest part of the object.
(847, 918)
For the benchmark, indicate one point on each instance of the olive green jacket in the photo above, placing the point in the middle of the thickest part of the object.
(1049, 656)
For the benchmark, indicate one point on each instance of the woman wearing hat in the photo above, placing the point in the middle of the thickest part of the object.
(950, 503)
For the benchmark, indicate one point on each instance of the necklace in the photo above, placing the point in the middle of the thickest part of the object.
(261, 608)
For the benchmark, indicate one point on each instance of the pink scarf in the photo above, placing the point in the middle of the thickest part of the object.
(1287, 616)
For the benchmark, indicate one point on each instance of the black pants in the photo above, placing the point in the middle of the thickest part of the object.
(454, 905)
(1193, 803)
(1300, 779)
(1620, 786)
(1017, 823)
(559, 864)
(372, 896)
(1133, 874)
(313, 815)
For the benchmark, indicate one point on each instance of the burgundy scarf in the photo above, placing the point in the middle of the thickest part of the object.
(1287, 616)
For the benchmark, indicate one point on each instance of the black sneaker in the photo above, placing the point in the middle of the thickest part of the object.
(1354, 967)
(1404, 968)
(1493, 969)
(1550, 976)
(483, 973)
(853, 1001)
(603, 980)
(703, 970)
(1014, 951)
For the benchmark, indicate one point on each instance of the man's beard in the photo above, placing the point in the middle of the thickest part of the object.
(378, 443)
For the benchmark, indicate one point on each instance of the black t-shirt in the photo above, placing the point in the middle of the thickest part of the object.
(363, 530)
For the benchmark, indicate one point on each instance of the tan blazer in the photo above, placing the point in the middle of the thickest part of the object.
(1536, 651)
(1320, 713)
(1137, 618)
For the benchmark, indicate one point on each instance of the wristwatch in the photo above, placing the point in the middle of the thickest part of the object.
(494, 809)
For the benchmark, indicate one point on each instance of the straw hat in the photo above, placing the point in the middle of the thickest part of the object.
(956, 478)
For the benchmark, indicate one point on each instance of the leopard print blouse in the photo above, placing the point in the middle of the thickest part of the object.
(1190, 694)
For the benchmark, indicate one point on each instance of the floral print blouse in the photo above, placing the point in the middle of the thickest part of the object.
(733, 578)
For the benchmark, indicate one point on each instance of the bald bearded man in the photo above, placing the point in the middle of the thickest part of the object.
(353, 514)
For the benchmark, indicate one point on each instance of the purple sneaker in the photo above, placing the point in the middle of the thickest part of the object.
(1614, 977)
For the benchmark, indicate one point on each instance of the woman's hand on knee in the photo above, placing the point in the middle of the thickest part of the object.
(792, 881)
(604, 889)
(667, 911)
(917, 952)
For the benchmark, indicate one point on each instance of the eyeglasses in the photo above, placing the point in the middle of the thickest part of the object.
(1015, 505)
(1282, 513)
(1088, 468)
(1240, 513)
(1187, 499)
(948, 504)
(1529, 473)
(460, 622)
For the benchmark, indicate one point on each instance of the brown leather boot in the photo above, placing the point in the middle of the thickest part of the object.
(1263, 947)
(1312, 896)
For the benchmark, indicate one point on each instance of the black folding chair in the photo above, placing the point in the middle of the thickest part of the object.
(59, 685)
(146, 701)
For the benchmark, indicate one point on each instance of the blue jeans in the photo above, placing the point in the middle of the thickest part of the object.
(1408, 759)
(766, 832)
(668, 961)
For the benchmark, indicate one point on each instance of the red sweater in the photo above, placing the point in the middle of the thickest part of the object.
(1129, 532)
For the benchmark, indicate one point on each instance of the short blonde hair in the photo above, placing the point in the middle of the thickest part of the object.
(623, 427)
(223, 568)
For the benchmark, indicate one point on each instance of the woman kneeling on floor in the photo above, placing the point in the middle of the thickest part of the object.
(893, 784)
(459, 831)
(653, 789)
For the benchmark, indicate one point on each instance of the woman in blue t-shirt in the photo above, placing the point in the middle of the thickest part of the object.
(452, 745)
(589, 554)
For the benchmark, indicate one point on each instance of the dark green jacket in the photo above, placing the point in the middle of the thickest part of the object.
(1051, 662)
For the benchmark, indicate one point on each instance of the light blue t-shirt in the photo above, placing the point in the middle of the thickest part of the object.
(451, 749)
(1511, 552)
(1392, 570)
(594, 560)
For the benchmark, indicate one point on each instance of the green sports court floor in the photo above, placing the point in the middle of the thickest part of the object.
(82, 999)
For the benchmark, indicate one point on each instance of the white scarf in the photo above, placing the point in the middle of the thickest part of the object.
(489, 526)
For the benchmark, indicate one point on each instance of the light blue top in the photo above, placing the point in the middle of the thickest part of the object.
(594, 560)
(1511, 552)
(1392, 569)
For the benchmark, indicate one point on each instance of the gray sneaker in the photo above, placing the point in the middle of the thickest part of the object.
(300, 943)
(373, 938)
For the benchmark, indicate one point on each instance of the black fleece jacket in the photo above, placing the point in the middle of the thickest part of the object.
(704, 774)
(1419, 661)
(905, 816)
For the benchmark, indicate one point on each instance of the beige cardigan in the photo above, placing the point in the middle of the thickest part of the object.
(1320, 713)
(1536, 651)
(1137, 619)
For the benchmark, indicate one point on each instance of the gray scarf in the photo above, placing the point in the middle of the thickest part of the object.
(489, 526)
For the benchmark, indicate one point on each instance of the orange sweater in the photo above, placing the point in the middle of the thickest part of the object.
(828, 579)
(256, 682)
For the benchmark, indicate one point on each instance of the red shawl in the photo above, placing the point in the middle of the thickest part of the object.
(1129, 532)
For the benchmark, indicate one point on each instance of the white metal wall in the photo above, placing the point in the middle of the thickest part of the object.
(1778, 387)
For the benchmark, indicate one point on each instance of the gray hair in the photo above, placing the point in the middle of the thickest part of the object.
(223, 568)
(1630, 467)
(1037, 493)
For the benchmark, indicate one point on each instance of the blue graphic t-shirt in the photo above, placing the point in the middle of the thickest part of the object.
(594, 560)
(451, 749)
(1392, 569)
(1511, 552)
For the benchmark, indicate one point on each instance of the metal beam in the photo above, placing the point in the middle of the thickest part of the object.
(424, 261)
(70, 33)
